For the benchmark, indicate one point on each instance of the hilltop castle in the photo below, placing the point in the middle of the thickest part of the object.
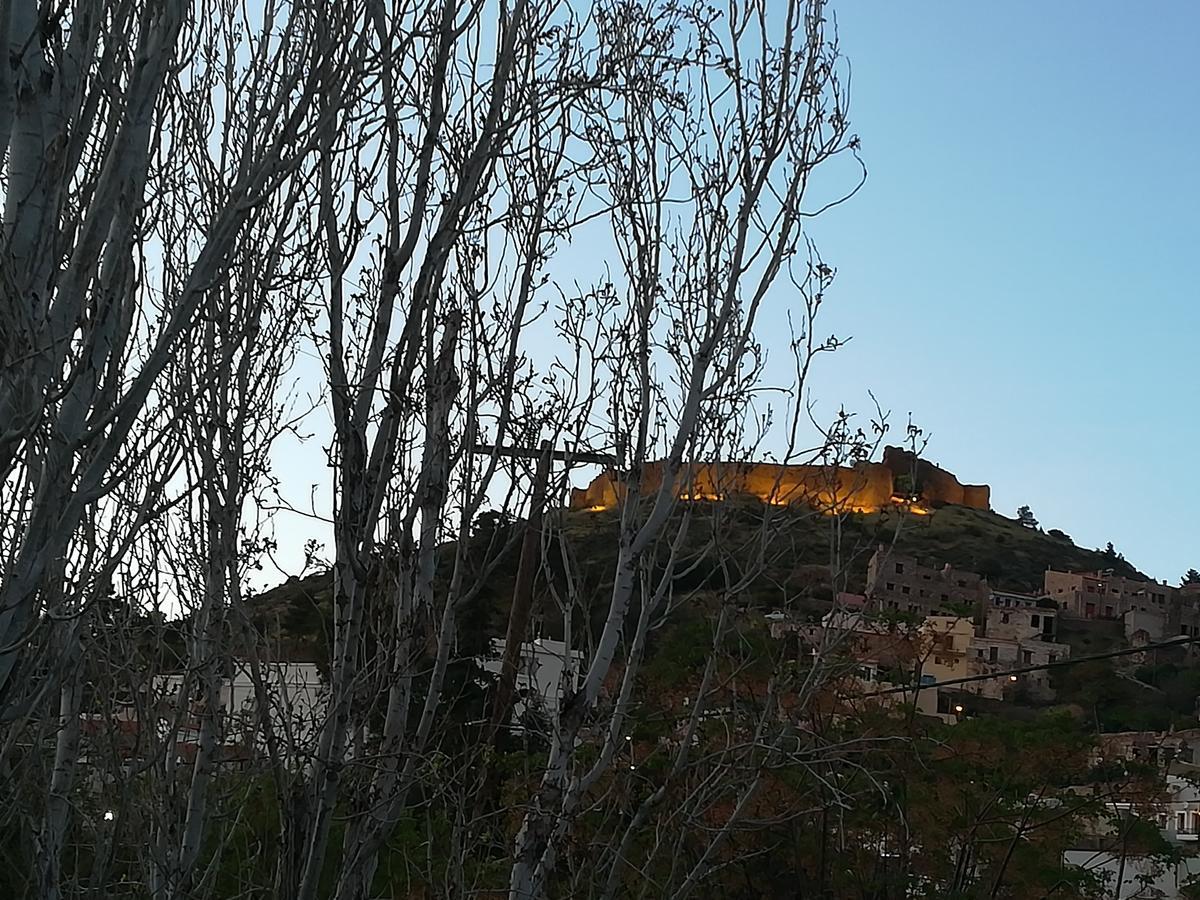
(901, 479)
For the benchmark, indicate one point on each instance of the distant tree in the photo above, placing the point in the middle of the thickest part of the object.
(1025, 517)
(1061, 535)
(1192, 577)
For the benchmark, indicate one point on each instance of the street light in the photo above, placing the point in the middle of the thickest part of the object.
(958, 708)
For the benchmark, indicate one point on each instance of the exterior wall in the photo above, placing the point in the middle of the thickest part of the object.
(902, 583)
(1013, 599)
(540, 676)
(862, 488)
(1183, 615)
(1016, 624)
(946, 641)
(946, 648)
(865, 487)
(994, 654)
(935, 485)
(1095, 595)
(1142, 627)
(296, 694)
(867, 683)
(1157, 747)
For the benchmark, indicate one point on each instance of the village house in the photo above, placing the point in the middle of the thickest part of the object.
(295, 692)
(868, 685)
(904, 584)
(1178, 819)
(945, 648)
(546, 666)
(1013, 635)
(1151, 611)
(1161, 748)
(1103, 595)
(1016, 600)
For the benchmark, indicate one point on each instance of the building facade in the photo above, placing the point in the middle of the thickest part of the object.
(905, 584)
(1152, 611)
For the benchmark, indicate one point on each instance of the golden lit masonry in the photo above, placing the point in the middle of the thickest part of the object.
(900, 479)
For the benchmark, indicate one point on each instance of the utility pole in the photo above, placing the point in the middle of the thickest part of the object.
(522, 601)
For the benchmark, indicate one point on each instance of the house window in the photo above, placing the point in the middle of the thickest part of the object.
(1026, 656)
(993, 654)
(1181, 822)
(922, 592)
(1108, 611)
(979, 652)
(1035, 621)
(904, 589)
(899, 568)
(1183, 629)
(945, 597)
(890, 586)
(1003, 618)
(1053, 657)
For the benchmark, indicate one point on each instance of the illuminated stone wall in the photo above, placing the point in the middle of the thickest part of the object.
(866, 487)
(934, 484)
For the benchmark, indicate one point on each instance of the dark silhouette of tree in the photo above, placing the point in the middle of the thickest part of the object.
(1026, 518)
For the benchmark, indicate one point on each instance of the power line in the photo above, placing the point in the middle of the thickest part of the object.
(1023, 670)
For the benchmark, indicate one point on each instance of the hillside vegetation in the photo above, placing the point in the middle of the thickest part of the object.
(725, 538)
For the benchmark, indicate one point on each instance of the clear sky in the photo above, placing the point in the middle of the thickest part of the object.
(1021, 269)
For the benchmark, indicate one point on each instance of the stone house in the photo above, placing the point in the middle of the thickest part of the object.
(1019, 622)
(1001, 654)
(1160, 611)
(1161, 748)
(905, 584)
(1103, 595)
(945, 647)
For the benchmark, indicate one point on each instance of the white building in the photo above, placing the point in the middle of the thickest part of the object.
(295, 692)
(547, 669)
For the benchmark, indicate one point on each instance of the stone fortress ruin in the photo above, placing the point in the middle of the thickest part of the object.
(901, 480)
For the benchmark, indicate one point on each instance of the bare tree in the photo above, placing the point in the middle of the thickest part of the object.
(133, 167)
(394, 189)
(707, 156)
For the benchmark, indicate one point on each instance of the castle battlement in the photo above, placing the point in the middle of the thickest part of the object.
(901, 479)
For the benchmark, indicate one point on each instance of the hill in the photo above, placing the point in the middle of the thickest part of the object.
(725, 538)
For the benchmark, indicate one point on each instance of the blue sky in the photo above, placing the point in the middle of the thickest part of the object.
(1021, 269)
